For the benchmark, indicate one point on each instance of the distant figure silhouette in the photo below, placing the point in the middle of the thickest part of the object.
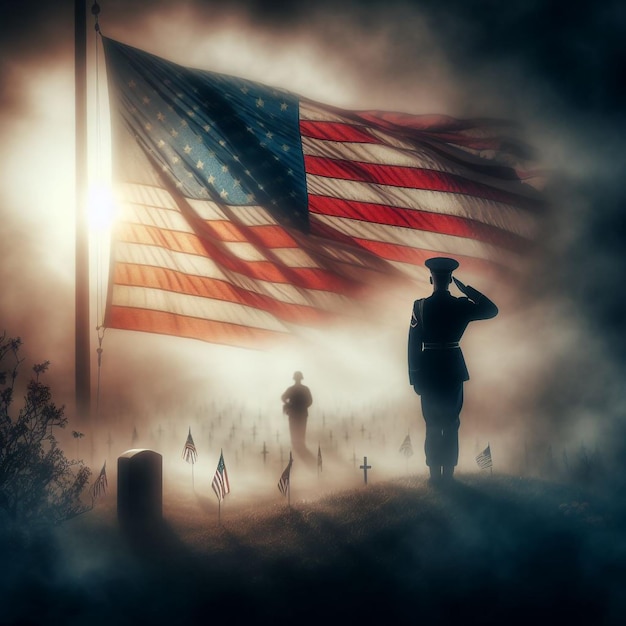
(437, 368)
(296, 401)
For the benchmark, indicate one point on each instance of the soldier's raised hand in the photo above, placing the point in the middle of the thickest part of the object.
(460, 285)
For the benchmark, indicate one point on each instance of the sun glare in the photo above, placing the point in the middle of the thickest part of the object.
(101, 207)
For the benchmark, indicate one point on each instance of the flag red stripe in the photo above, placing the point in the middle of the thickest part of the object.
(342, 131)
(456, 156)
(417, 256)
(418, 220)
(415, 178)
(269, 236)
(336, 131)
(308, 278)
(180, 282)
(163, 323)
(434, 122)
(441, 129)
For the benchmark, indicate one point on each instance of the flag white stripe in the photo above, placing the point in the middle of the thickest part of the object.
(172, 220)
(503, 216)
(136, 193)
(394, 151)
(420, 274)
(168, 218)
(299, 257)
(422, 240)
(248, 215)
(219, 485)
(245, 251)
(194, 306)
(294, 257)
(483, 459)
(194, 265)
(158, 198)
(421, 158)
(311, 111)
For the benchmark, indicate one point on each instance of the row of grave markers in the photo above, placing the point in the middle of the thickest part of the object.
(225, 421)
(132, 498)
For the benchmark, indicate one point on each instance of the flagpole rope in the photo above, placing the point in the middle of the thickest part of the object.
(95, 11)
(100, 330)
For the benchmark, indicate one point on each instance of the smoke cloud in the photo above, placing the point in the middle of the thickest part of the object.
(547, 372)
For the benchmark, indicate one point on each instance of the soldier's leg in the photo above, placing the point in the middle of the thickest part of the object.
(450, 447)
(298, 432)
(432, 448)
(450, 431)
(433, 445)
(304, 420)
(302, 432)
(293, 430)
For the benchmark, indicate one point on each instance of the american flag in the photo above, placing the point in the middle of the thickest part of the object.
(406, 448)
(220, 483)
(248, 211)
(100, 485)
(190, 454)
(484, 458)
(283, 483)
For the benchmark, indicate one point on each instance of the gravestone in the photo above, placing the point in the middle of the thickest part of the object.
(365, 467)
(140, 488)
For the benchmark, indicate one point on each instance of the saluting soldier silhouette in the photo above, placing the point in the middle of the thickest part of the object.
(437, 368)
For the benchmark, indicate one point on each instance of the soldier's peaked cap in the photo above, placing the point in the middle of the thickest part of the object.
(441, 265)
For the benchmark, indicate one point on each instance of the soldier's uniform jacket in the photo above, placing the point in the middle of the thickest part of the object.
(437, 325)
(297, 399)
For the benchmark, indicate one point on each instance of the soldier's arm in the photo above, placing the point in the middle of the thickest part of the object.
(483, 308)
(414, 347)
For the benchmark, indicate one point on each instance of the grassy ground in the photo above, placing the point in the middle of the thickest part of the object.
(486, 550)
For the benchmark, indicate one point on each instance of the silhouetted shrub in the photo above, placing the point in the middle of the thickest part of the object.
(38, 484)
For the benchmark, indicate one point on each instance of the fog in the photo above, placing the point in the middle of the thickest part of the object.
(546, 389)
(546, 374)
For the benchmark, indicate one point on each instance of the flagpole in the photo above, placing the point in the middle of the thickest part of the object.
(81, 323)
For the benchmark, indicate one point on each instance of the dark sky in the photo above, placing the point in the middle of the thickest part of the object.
(557, 68)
